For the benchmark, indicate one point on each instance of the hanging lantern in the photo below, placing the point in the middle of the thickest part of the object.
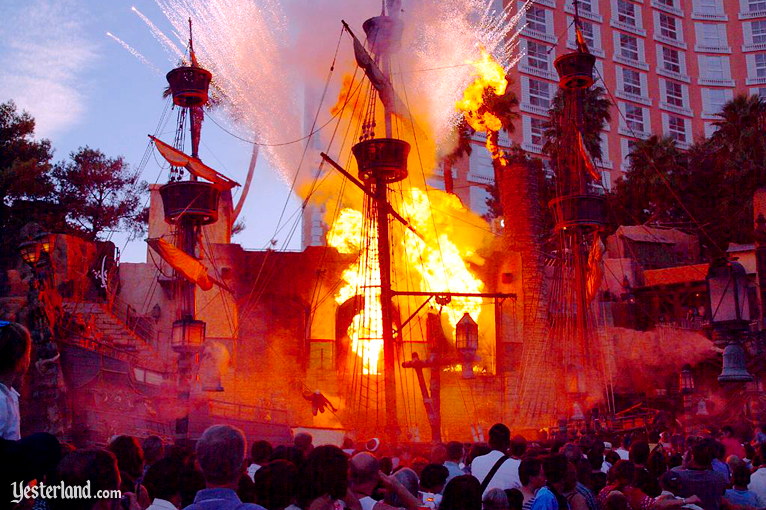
(30, 252)
(727, 285)
(686, 380)
(187, 336)
(46, 240)
(467, 343)
(734, 365)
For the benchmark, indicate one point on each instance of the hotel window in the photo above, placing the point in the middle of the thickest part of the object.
(631, 81)
(536, 130)
(629, 47)
(756, 5)
(626, 13)
(586, 5)
(537, 55)
(668, 3)
(674, 94)
(760, 65)
(539, 93)
(677, 128)
(587, 33)
(710, 7)
(668, 26)
(536, 19)
(634, 117)
(714, 100)
(711, 35)
(758, 32)
(714, 68)
(671, 61)
(761, 92)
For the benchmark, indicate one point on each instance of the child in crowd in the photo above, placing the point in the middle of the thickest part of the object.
(15, 348)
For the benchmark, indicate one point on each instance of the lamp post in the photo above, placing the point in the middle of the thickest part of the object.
(686, 384)
(45, 385)
(727, 285)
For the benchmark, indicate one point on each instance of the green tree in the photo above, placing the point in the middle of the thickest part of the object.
(100, 193)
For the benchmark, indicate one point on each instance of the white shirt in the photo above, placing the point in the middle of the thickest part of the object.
(252, 469)
(507, 477)
(623, 453)
(10, 419)
(161, 504)
(758, 483)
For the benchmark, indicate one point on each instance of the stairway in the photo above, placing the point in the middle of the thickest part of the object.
(103, 326)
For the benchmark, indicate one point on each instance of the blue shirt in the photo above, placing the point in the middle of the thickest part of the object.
(453, 468)
(545, 500)
(739, 497)
(220, 499)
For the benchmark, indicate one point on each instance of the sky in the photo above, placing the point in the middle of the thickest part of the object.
(83, 88)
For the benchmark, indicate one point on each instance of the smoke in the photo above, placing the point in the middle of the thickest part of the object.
(214, 363)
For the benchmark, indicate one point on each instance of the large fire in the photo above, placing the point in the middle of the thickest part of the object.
(438, 264)
(490, 77)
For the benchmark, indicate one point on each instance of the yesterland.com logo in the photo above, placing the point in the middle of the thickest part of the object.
(22, 491)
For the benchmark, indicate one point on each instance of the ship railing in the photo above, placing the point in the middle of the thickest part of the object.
(236, 411)
(141, 325)
(690, 324)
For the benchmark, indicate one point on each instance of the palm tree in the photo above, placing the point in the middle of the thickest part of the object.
(463, 149)
(739, 139)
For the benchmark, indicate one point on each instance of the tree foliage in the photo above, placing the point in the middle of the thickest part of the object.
(708, 188)
(100, 193)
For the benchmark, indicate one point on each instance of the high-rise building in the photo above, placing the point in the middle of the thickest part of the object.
(669, 66)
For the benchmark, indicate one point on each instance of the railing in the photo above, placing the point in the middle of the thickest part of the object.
(244, 412)
(690, 324)
(141, 325)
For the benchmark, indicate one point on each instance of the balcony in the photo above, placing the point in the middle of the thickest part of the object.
(542, 73)
(701, 48)
(754, 47)
(548, 3)
(534, 34)
(674, 75)
(676, 109)
(630, 62)
(634, 133)
(592, 16)
(572, 45)
(759, 80)
(628, 28)
(716, 82)
(707, 16)
(633, 97)
(531, 108)
(752, 14)
(531, 147)
(671, 10)
(669, 41)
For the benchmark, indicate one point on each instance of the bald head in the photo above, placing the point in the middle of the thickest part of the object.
(364, 468)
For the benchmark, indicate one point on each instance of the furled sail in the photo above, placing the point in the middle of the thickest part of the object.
(186, 265)
(196, 167)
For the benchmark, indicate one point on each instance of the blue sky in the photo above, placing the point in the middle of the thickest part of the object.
(85, 89)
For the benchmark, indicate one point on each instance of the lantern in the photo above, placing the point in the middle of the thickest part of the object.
(727, 292)
(188, 335)
(686, 380)
(30, 252)
(467, 343)
(734, 365)
(46, 241)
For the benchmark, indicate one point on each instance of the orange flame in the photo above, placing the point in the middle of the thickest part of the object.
(490, 76)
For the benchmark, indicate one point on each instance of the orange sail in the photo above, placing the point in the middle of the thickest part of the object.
(592, 170)
(186, 265)
(193, 165)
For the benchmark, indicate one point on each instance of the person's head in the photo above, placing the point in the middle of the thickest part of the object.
(409, 481)
(515, 499)
(304, 442)
(622, 473)
(455, 451)
(495, 499)
(260, 452)
(325, 472)
(616, 500)
(740, 476)
(221, 454)
(571, 451)
(531, 473)
(499, 437)
(386, 465)
(657, 464)
(639, 452)
(702, 455)
(671, 482)
(518, 446)
(418, 464)
(95, 466)
(163, 480)
(477, 450)
(153, 449)
(555, 468)
(15, 350)
(595, 458)
(130, 456)
(727, 431)
(288, 453)
(612, 457)
(192, 481)
(364, 470)
(433, 477)
(438, 454)
(462, 493)
(274, 484)
(37, 456)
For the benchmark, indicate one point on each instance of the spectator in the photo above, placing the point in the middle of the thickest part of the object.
(407, 478)
(192, 481)
(260, 454)
(304, 442)
(130, 461)
(163, 483)
(15, 351)
(639, 456)
(366, 477)
(515, 499)
(731, 443)
(221, 454)
(739, 493)
(506, 476)
(495, 499)
(324, 477)
(454, 457)
(95, 466)
(621, 477)
(438, 454)
(432, 483)
(699, 479)
(275, 484)
(462, 493)
(153, 449)
(624, 449)
(550, 496)
(532, 478)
